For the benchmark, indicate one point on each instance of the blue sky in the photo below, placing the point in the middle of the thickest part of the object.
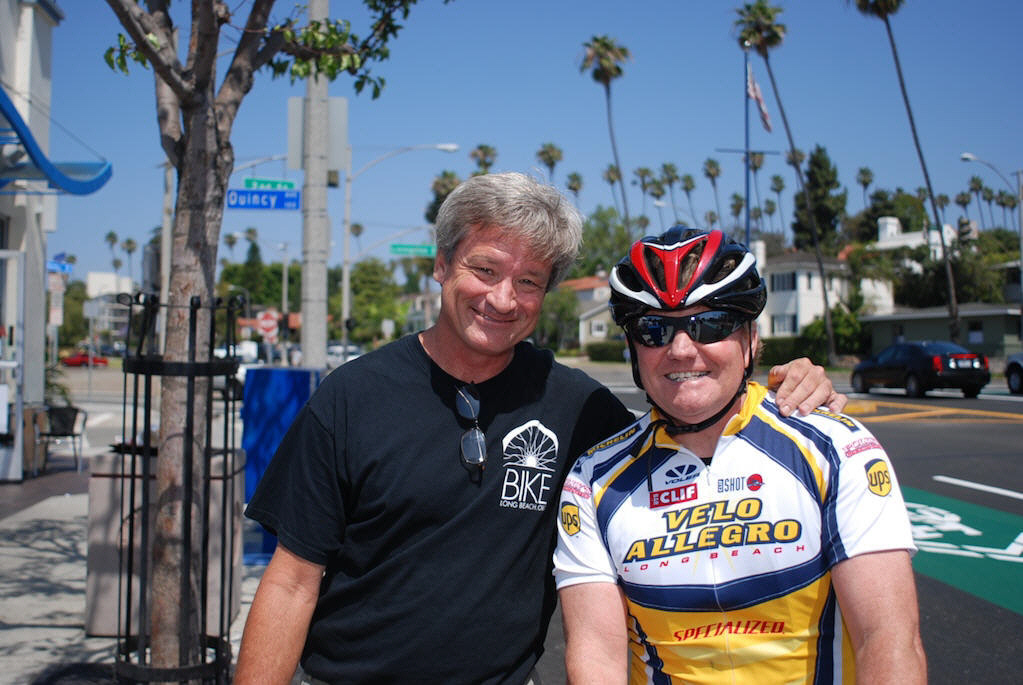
(507, 74)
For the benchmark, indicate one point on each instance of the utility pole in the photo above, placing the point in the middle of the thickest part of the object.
(315, 226)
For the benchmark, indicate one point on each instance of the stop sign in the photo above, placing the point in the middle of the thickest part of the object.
(267, 324)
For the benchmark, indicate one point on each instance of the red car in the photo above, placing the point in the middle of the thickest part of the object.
(82, 359)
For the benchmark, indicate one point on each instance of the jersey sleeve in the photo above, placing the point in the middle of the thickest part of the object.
(580, 556)
(866, 513)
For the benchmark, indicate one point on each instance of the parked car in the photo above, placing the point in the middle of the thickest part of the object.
(922, 366)
(82, 359)
(233, 387)
(1014, 373)
(336, 354)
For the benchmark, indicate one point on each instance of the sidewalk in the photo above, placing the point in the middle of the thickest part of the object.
(43, 526)
(43, 548)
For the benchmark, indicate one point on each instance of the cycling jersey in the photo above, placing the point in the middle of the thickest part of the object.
(726, 567)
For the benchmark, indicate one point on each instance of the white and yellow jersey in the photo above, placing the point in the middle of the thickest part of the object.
(725, 566)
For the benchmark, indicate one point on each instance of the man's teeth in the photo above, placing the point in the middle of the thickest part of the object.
(686, 375)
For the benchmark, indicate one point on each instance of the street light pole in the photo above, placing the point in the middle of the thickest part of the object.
(970, 157)
(346, 267)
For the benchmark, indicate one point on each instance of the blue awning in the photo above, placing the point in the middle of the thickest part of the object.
(77, 178)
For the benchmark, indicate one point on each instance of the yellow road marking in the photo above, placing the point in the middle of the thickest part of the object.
(867, 411)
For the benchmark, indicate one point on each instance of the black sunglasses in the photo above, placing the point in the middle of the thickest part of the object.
(474, 443)
(706, 327)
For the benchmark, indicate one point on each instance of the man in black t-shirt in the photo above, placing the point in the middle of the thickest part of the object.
(413, 497)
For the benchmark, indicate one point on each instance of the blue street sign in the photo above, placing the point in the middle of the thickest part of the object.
(55, 267)
(238, 198)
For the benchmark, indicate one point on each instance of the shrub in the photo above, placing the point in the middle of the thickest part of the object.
(606, 351)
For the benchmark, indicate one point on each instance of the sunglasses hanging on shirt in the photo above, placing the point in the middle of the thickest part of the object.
(473, 443)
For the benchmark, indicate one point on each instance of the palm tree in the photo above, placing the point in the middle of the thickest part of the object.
(963, 200)
(710, 218)
(606, 57)
(777, 186)
(711, 169)
(657, 192)
(612, 175)
(736, 206)
(757, 214)
(688, 184)
(442, 186)
(759, 28)
(865, 177)
(549, 155)
(795, 158)
(769, 209)
(756, 162)
(976, 186)
(252, 234)
(231, 239)
(129, 246)
(574, 183)
(644, 177)
(883, 9)
(989, 196)
(484, 156)
(1011, 202)
(356, 230)
(669, 177)
(942, 202)
(117, 264)
(111, 240)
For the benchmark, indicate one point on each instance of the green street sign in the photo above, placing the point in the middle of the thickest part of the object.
(414, 250)
(269, 184)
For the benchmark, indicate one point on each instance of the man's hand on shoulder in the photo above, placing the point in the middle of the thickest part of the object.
(802, 385)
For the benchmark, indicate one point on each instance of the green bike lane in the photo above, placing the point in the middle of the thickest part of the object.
(961, 541)
(973, 548)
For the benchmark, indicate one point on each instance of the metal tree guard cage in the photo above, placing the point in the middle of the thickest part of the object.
(212, 507)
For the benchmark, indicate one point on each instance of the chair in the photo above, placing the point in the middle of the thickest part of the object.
(62, 424)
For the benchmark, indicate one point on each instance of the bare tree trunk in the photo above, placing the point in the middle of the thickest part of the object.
(953, 304)
(828, 329)
(203, 170)
(614, 150)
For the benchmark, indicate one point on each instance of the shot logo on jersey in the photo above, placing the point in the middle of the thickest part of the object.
(879, 480)
(530, 456)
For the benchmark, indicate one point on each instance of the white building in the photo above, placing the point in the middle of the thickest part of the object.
(102, 288)
(29, 181)
(891, 237)
(794, 296)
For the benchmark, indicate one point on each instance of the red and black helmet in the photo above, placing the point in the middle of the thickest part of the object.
(684, 267)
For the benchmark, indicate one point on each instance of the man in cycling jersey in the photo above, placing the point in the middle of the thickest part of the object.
(715, 540)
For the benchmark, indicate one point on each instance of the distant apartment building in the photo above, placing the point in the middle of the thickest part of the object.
(102, 288)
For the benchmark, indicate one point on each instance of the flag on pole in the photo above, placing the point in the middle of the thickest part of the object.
(753, 90)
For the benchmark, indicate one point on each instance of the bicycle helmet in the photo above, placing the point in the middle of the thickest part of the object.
(681, 268)
(684, 267)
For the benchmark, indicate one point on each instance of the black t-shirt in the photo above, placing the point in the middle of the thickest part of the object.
(433, 574)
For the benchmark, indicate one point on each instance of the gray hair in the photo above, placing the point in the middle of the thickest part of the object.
(533, 211)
